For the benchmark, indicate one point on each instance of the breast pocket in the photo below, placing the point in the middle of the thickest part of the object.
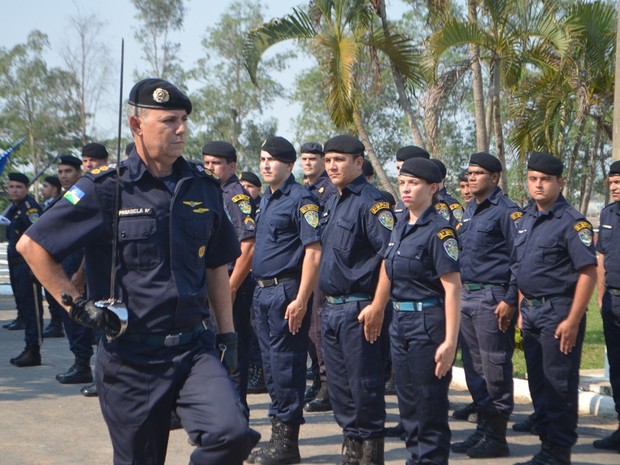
(282, 228)
(198, 232)
(343, 232)
(549, 249)
(415, 260)
(488, 235)
(139, 243)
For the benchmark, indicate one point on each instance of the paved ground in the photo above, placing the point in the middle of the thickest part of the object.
(45, 423)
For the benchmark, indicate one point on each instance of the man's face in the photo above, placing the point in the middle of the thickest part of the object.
(544, 188)
(162, 134)
(48, 190)
(614, 187)
(465, 193)
(481, 181)
(253, 190)
(17, 191)
(90, 163)
(68, 175)
(342, 168)
(273, 171)
(220, 166)
(312, 164)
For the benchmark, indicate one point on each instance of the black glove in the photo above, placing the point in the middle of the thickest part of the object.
(227, 347)
(85, 312)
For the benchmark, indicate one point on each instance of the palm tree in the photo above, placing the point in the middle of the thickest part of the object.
(340, 33)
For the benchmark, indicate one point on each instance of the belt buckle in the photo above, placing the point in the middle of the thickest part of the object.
(172, 340)
(419, 306)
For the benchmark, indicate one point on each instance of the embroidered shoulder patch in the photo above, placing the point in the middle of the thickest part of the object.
(379, 206)
(386, 219)
(443, 210)
(584, 230)
(516, 215)
(243, 202)
(311, 214)
(457, 211)
(74, 195)
(446, 232)
(452, 248)
(249, 224)
(32, 214)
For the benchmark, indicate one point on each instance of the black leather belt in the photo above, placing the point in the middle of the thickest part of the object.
(277, 280)
(480, 286)
(538, 301)
(165, 340)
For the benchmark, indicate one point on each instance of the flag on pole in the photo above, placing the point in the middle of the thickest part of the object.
(4, 158)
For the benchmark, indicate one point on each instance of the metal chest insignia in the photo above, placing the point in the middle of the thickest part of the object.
(311, 214)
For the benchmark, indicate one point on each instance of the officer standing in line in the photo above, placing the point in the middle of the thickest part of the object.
(221, 158)
(403, 154)
(24, 212)
(94, 155)
(174, 241)
(556, 274)
(608, 248)
(252, 184)
(356, 227)
(447, 206)
(464, 187)
(313, 164)
(285, 265)
(488, 318)
(51, 190)
(422, 273)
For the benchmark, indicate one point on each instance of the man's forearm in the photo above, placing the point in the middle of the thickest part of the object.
(220, 298)
(309, 271)
(242, 265)
(583, 292)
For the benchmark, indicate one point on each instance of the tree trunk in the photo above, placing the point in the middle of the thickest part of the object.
(399, 81)
(497, 123)
(372, 156)
(482, 137)
(573, 159)
(587, 191)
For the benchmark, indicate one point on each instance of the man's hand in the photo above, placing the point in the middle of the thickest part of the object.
(566, 332)
(444, 358)
(504, 313)
(85, 312)
(372, 319)
(227, 347)
(295, 312)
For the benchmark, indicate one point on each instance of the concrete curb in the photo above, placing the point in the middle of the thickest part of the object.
(590, 403)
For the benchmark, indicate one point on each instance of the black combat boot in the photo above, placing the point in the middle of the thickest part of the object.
(30, 357)
(493, 443)
(397, 431)
(463, 413)
(550, 454)
(526, 426)
(79, 373)
(284, 449)
(321, 402)
(54, 329)
(313, 390)
(372, 452)
(275, 424)
(473, 439)
(351, 451)
(16, 325)
(256, 382)
(611, 442)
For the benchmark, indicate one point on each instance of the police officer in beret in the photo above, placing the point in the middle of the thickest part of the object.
(313, 164)
(174, 241)
(285, 265)
(403, 154)
(421, 273)
(556, 274)
(446, 205)
(252, 184)
(221, 158)
(486, 235)
(94, 155)
(23, 213)
(50, 189)
(608, 248)
(356, 227)
(464, 187)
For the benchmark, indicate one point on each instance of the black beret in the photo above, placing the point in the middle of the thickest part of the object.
(70, 160)
(160, 95)
(53, 180)
(463, 176)
(250, 177)
(487, 161)
(219, 148)
(95, 150)
(545, 163)
(280, 149)
(19, 177)
(367, 168)
(312, 147)
(411, 151)
(344, 144)
(421, 168)
(614, 169)
(442, 168)
(129, 148)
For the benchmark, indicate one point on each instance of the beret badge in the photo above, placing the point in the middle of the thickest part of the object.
(161, 95)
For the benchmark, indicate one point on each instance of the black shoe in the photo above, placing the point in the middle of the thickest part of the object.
(79, 373)
(494, 442)
(256, 383)
(89, 391)
(16, 325)
(526, 426)
(312, 390)
(30, 357)
(397, 431)
(321, 402)
(53, 330)
(463, 413)
(611, 442)
(16, 320)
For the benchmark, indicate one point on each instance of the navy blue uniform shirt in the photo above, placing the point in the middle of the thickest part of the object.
(550, 249)
(609, 243)
(286, 221)
(166, 241)
(240, 208)
(355, 230)
(323, 189)
(419, 254)
(22, 216)
(449, 208)
(486, 236)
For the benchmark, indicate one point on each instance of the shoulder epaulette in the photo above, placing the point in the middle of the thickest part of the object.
(101, 172)
(199, 169)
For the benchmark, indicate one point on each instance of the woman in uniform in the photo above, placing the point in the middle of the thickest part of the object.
(421, 263)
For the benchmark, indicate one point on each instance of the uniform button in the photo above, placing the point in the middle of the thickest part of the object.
(123, 234)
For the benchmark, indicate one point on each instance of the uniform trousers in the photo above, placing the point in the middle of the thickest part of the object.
(315, 348)
(137, 394)
(553, 377)
(475, 382)
(284, 354)
(355, 366)
(242, 308)
(611, 327)
(26, 290)
(490, 349)
(422, 397)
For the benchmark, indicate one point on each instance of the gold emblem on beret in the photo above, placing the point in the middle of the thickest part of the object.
(161, 95)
